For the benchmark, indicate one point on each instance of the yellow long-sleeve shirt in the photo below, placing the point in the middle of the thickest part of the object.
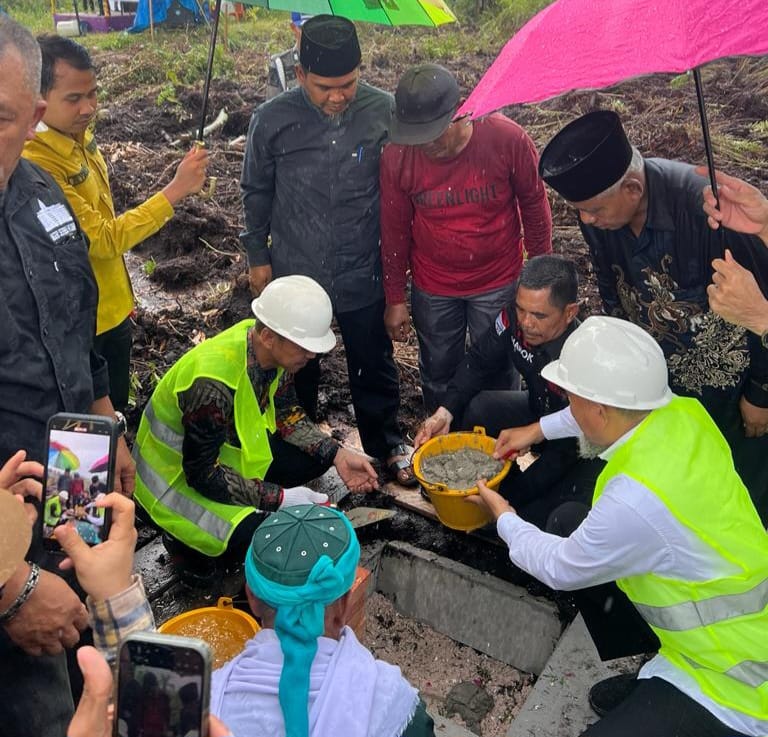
(81, 172)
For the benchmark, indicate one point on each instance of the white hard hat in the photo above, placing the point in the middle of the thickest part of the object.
(612, 362)
(297, 308)
(64, 494)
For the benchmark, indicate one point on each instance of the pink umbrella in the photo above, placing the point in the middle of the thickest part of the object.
(100, 465)
(577, 44)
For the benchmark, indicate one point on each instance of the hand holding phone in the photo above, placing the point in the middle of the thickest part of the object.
(156, 671)
(93, 716)
(79, 470)
(106, 569)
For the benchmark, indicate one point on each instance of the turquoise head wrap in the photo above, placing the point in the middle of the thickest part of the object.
(301, 559)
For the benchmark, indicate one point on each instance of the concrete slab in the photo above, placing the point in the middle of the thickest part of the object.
(557, 706)
(446, 728)
(484, 612)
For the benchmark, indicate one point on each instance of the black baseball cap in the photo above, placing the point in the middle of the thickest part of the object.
(426, 99)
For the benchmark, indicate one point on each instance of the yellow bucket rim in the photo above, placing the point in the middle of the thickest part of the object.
(224, 608)
(438, 443)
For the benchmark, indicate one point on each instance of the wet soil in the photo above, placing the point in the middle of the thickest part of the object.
(190, 278)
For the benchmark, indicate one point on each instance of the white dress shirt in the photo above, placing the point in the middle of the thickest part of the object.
(629, 531)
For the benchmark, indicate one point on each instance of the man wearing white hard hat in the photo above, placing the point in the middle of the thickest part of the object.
(223, 439)
(671, 523)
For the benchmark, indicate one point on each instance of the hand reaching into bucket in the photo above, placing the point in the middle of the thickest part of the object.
(514, 441)
(438, 424)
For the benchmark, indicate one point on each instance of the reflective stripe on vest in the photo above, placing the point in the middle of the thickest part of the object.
(161, 431)
(713, 630)
(750, 672)
(161, 486)
(182, 505)
(691, 614)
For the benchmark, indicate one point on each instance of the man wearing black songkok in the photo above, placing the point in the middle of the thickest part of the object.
(310, 188)
(652, 250)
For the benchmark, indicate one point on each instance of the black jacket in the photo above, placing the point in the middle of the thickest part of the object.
(48, 298)
(659, 281)
(310, 182)
(501, 345)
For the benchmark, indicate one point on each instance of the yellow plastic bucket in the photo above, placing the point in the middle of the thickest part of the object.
(449, 504)
(224, 628)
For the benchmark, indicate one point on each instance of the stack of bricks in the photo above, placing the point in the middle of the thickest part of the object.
(356, 602)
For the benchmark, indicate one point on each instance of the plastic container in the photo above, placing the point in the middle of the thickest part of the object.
(67, 28)
(449, 504)
(224, 628)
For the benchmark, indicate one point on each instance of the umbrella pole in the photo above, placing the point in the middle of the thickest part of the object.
(209, 69)
(77, 17)
(705, 131)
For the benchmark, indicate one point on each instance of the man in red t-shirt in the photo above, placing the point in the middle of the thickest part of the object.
(461, 201)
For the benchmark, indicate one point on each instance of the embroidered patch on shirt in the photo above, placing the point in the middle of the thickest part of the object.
(502, 322)
(80, 177)
(56, 220)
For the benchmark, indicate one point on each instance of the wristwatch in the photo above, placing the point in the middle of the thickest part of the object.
(120, 423)
(764, 339)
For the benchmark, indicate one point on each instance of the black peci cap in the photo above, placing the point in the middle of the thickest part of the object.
(586, 157)
(329, 46)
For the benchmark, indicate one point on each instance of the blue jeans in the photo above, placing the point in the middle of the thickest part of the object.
(442, 325)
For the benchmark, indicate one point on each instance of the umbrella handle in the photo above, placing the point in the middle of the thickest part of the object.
(210, 190)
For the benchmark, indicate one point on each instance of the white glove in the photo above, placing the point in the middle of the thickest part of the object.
(301, 495)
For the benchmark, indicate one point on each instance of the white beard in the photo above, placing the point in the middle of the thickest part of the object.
(588, 449)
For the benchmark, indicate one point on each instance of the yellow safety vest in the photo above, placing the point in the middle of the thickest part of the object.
(161, 486)
(716, 630)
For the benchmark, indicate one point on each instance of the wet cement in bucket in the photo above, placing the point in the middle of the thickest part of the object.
(460, 469)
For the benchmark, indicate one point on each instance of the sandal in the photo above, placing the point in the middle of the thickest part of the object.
(399, 469)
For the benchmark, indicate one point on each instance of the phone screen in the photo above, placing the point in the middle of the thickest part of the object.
(162, 690)
(77, 473)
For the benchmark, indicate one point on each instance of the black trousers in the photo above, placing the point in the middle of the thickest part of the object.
(657, 709)
(558, 476)
(373, 379)
(749, 454)
(115, 346)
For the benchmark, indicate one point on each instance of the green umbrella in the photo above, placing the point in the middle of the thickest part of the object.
(386, 12)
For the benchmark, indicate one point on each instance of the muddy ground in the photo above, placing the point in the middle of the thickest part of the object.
(190, 277)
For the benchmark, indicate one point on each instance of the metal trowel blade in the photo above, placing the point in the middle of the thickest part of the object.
(362, 516)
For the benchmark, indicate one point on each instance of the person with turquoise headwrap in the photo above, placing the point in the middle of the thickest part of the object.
(305, 673)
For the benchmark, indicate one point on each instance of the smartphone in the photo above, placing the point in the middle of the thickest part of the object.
(163, 686)
(80, 468)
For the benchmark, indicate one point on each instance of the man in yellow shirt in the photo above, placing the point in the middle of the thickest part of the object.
(66, 148)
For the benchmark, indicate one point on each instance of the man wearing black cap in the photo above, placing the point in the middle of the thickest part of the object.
(649, 241)
(310, 188)
(458, 195)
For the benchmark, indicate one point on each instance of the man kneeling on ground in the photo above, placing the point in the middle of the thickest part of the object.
(529, 333)
(672, 524)
(223, 438)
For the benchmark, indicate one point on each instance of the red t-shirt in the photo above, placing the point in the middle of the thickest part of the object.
(458, 223)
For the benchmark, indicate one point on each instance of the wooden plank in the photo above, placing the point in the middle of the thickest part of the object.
(413, 501)
(410, 499)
